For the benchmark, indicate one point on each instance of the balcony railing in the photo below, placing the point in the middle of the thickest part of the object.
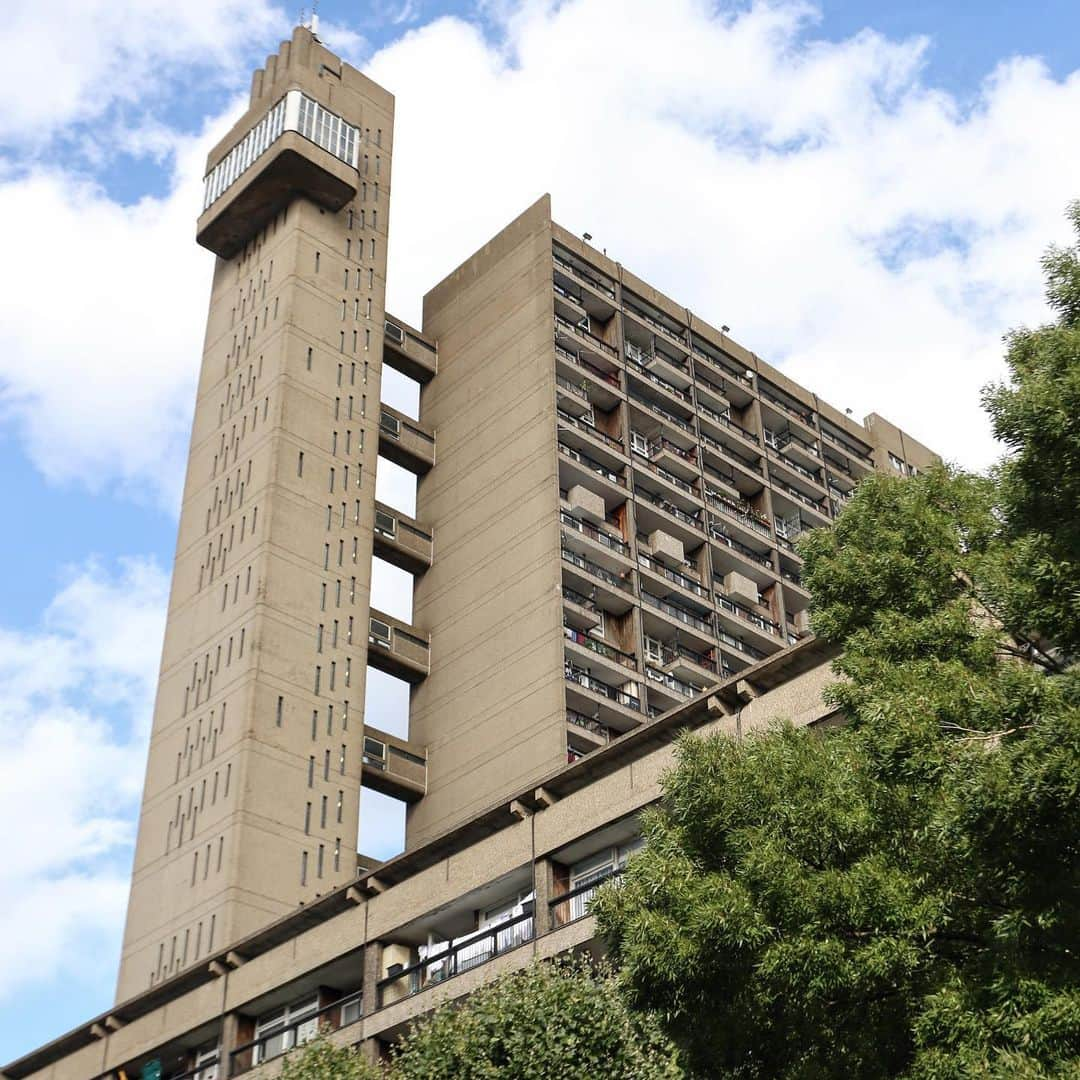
(719, 389)
(728, 369)
(601, 648)
(693, 520)
(677, 334)
(594, 727)
(574, 597)
(741, 512)
(281, 1040)
(573, 673)
(672, 575)
(671, 653)
(602, 345)
(573, 388)
(718, 532)
(566, 294)
(806, 416)
(681, 614)
(689, 456)
(591, 463)
(683, 689)
(594, 533)
(608, 376)
(584, 275)
(591, 429)
(670, 477)
(795, 493)
(596, 570)
(458, 957)
(572, 905)
(802, 470)
(739, 645)
(638, 368)
(848, 448)
(731, 453)
(659, 409)
(723, 419)
(749, 615)
(791, 575)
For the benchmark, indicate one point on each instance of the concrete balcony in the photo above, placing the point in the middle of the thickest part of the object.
(405, 442)
(291, 167)
(401, 540)
(407, 350)
(393, 766)
(397, 648)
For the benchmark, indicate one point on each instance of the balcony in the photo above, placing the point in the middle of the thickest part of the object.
(613, 658)
(573, 904)
(737, 643)
(861, 454)
(333, 1017)
(600, 733)
(719, 534)
(678, 659)
(278, 160)
(591, 465)
(614, 591)
(401, 540)
(580, 611)
(579, 678)
(405, 442)
(397, 648)
(393, 766)
(599, 536)
(741, 611)
(680, 422)
(670, 685)
(681, 580)
(601, 386)
(408, 351)
(447, 959)
(721, 363)
(674, 458)
(588, 277)
(659, 502)
(579, 423)
(793, 492)
(657, 366)
(729, 454)
(569, 335)
(741, 512)
(685, 492)
(673, 333)
(702, 623)
(786, 405)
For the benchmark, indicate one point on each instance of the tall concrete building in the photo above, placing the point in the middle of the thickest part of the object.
(608, 492)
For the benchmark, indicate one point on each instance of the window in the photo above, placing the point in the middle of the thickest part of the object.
(299, 468)
(307, 819)
(309, 352)
(316, 262)
(280, 710)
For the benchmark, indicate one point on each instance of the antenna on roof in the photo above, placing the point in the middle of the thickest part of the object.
(301, 22)
(315, 18)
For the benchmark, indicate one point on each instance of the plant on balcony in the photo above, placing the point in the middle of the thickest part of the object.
(899, 897)
(560, 1020)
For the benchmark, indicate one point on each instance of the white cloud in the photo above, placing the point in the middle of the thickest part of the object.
(101, 337)
(754, 174)
(70, 61)
(76, 695)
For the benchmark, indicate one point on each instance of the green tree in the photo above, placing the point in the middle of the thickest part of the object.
(559, 1020)
(1037, 415)
(320, 1059)
(900, 897)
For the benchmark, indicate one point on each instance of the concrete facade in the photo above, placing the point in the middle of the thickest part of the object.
(608, 493)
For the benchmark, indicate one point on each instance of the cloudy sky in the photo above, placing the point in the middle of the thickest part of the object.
(861, 190)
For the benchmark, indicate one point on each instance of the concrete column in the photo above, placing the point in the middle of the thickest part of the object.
(230, 1040)
(372, 972)
(544, 884)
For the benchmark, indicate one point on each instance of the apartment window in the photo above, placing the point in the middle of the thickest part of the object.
(318, 648)
(309, 355)
(322, 812)
(318, 677)
(340, 804)
(303, 871)
(317, 255)
(326, 765)
(346, 275)
(319, 861)
(322, 597)
(337, 854)
(341, 760)
(307, 819)
(228, 777)
(311, 771)
(299, 469)
(329, 719)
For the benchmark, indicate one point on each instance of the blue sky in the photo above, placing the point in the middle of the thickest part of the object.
(861, 190)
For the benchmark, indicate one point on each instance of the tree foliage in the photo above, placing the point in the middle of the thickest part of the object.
(900, 897)
(559, 1020)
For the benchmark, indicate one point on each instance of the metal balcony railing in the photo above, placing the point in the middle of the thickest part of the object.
(460, 956)
(673, 576)
(593, 533)
(573, 673)
(693, 520)
(601, 648)
(718, 532)
(584, 275)
(659, 409)
(594, 727)
(748, 614)
(572, 905)
(592, 464)
(599, 343)
(740, 512)
(688, 618)
(596, 570)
